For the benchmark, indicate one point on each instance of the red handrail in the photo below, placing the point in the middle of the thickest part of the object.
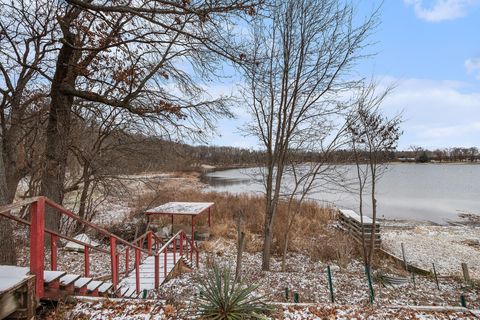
(37, 235)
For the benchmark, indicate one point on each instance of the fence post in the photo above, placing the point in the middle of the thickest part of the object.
(370, 286)
(127, 259)
(113, 261)
(330, 284)
(137, 270)
(286, 294)
(436, 277)
(296, 297)
(165, 263)
(37, 242)
(181, 243)
(157, 271)
(149, 243)
(403, 254)
(53, 251)
(466, 274)
(87, 260)
(174, 242)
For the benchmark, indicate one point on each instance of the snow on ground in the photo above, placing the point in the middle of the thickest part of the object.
(446, 246)
(309, 279)
(152, 310)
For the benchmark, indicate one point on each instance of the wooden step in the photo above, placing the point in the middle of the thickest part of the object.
(105, 287)
(50, 276)
(93, 286)
(68, 279)
(81, 285)
(82, 282)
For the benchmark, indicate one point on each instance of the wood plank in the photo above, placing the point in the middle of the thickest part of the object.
(68, 279)
(50, 276)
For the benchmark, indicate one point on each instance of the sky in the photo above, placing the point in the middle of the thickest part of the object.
(430, 51)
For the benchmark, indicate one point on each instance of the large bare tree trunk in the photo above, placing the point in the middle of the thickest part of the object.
(59, 120)
(7, 244)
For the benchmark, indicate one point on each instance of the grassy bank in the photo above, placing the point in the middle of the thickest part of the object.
(311, 233)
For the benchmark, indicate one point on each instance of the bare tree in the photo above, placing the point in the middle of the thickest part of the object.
(302, 52)
(373, 138)
(26, 43)
(137, 56)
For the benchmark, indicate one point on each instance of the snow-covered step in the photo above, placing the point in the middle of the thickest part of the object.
(105, 287)
(147, 272)
(94, 285)
(81, 282)
(68, 279)
(11, 276)
(49, 276)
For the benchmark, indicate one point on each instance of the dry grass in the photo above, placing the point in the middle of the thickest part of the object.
(310, 233)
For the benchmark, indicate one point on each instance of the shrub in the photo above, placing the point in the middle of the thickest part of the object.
(220, 297)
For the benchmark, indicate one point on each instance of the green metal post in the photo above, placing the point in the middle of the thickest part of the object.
(330, 284)
(462, 301)
(296, 297)
(286, 294)
(370, 285)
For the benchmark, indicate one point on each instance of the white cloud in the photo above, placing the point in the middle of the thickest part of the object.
(436, 113)
(441, 10)
(473, 66)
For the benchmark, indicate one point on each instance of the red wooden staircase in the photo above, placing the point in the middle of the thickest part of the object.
(149, 260)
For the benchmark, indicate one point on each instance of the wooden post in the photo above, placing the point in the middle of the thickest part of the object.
(37, 241)
(435, 274)
(181, 243)
(209, 219)
(137, 270)
(117, 266)
(149, 243)
(157, 271)
(174, 243)
(165, 262)
(404, 259)
(86, 260)
(127, 259)
(466, 275)
(53, 251)
(113, 262)
(192, 239)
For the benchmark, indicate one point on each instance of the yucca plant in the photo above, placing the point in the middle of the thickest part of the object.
(220, 297)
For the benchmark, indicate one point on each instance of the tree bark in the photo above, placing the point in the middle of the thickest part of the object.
(7, 244)
(59, 120)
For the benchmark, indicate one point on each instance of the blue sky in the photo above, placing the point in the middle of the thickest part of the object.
(431, 51)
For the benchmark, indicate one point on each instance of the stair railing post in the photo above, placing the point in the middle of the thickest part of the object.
(127, 258)
(181, 243)
(113, 266)
(137, 270)
(53, 251)
(174, 242)
(117, 266)
(87, 261)
(165, 262)
(37, 241)
(149, 243)
(157, 271)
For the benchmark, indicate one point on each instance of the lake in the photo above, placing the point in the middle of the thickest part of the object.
(424, 192)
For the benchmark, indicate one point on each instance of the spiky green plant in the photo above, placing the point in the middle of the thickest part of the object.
(220, 297)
